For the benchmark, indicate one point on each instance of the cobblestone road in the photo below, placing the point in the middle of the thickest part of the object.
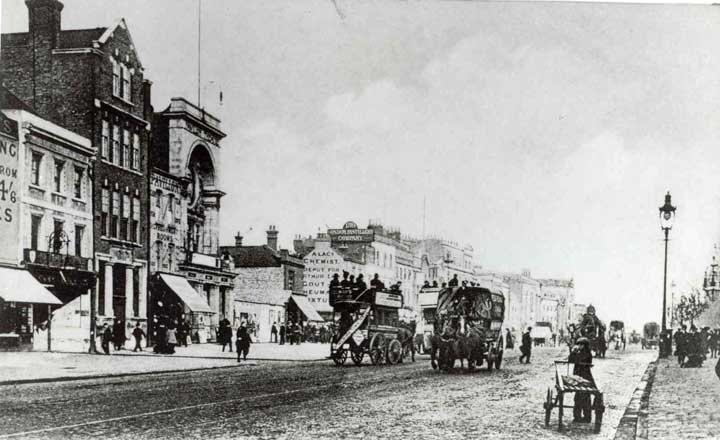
(684, 402)
(315, 400)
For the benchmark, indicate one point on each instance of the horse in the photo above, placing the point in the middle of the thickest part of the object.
(406, 336)
(445, 351)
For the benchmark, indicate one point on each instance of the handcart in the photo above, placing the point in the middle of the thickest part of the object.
(569, 383)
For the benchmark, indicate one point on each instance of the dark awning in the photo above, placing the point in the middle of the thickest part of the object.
(308, 310)
(186, 293)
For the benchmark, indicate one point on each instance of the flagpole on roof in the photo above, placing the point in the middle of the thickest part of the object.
(199, 52)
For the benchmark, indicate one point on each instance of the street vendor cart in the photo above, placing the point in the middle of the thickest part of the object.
(566, 384)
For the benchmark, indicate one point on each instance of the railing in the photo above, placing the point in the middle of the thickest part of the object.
(55, 260)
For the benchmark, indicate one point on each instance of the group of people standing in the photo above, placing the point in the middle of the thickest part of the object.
(242, 338)
(692, 347)
(357, 284)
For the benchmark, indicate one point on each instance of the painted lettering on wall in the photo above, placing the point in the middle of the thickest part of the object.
(9, 224)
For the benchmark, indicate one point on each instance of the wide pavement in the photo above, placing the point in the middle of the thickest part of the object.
(315, 400)
(684, 402)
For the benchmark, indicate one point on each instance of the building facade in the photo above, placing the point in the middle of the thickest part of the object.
(187, 269)
(268, 286)
(46, 231)
(90, 81)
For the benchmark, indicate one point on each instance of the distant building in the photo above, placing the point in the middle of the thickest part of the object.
(268, 286)
(557, 297)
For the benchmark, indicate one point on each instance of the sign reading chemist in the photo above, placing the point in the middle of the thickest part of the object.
(9, 161)
(350, 233)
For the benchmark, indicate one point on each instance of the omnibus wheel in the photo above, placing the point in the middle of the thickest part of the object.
(377, 349)
(394, 352)
(340, 357)
(357, 356)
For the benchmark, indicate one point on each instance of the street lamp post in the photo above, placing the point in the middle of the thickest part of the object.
(667, 215)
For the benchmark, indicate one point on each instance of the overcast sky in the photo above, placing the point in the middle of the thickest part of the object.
(543, 134)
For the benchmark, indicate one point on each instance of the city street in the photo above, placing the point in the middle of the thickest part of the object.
(316, 400)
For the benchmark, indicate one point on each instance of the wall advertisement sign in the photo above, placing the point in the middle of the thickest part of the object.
(320, 265)
(9, 190)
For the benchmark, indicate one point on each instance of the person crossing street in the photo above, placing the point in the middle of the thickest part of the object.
(526, 346)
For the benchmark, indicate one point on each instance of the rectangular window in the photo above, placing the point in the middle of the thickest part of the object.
(136, 220)
(169, 209)
(35, 168)
(79, 233)
(57, 233)
(77, 184)
(35, 221)
(105, 212)
(136, 152)
(126, 149)
(105, 146)
(116, 145)
(59, 165)
(126, 83)
(116, 78)
(124, 231)
(115, 219)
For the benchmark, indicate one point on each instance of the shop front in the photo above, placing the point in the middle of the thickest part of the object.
(25, 306)
(300, 311)
(176, 302)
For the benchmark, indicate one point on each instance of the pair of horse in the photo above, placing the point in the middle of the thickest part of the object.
(444, 351)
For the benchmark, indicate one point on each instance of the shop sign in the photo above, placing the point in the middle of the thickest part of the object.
(320, 265)
(388, 299)
(9, 219)
(358, 236)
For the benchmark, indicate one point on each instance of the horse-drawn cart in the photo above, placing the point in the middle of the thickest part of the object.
(566, 384)
(368, 324)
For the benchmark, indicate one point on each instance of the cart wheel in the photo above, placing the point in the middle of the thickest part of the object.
(394, 352)
(357, 357)
(377, 345)
(548, 405)
(498, 360)
(599, 410)
(340, 357)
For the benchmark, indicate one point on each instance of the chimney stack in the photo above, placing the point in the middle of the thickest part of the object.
(272, 237)
(44, 22)
(238, 240)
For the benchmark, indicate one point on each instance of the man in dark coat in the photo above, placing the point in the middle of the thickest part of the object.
(526, 346)
(335, 281)
(581, 356)
(243, 342)
(225, 334)
(273, 333)
(681, 345)
(454, 281)
(282, 333)
(360, 285)
(138, 334)
(118, 334)
(376, 283)
(345, 283)
(106, 336)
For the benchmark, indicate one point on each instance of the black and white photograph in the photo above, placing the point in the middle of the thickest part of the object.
(359, 219)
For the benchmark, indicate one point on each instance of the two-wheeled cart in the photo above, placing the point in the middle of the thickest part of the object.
(566, 384)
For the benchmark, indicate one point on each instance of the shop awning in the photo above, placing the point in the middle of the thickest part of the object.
(186, 293)
(17, 285)
(309, 311)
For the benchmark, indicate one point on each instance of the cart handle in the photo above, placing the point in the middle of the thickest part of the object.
(576, 363)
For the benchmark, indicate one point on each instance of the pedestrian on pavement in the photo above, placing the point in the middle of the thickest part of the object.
(282, 333)
(714, 342)
(509, 342)
(225, 334)
(526, 346)
(681, 340)
(119, 335)
(106, 337)
(243, 342)
(185, 334)
(171, 339)
(297, 332)
(581, 356)
(274, 333)
(138, 333)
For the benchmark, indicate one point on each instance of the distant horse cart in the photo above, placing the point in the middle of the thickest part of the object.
(651, 336)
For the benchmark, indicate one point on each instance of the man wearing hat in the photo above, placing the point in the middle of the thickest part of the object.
(581, 356)
(526, 346)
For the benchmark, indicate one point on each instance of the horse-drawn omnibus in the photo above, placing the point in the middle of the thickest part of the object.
(469, 320)
(616, 334)
(369, 324)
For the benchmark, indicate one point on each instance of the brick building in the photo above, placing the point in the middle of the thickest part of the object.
(184, 219)
(268, 286)
(90, 81)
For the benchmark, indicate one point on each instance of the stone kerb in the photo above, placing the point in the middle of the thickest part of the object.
(634, 422)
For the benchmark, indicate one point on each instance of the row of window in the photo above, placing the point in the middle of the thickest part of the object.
(120, 216)
(168, 209)
(56, 244)
(59, 170)
(119, 146)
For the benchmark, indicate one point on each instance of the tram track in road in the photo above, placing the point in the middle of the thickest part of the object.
(266, 386)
